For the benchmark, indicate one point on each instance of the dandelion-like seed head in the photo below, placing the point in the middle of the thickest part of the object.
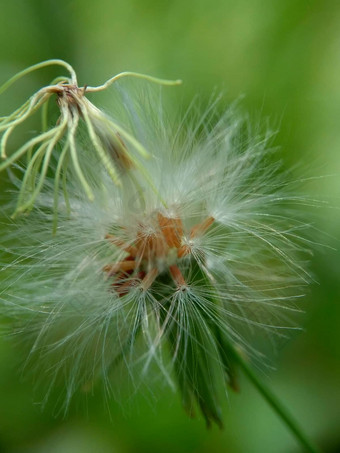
(173, 274)
(157, 248)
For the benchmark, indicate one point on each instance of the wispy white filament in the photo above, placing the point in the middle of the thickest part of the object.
(235, 266)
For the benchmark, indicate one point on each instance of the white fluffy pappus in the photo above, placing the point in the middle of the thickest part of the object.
(199, 251)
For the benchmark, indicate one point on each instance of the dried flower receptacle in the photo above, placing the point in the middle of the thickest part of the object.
(153, 252)
(114, 146)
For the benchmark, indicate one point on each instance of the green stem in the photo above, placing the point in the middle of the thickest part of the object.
(34, 67)
(137, 75)
(274, 402)
(236, 357)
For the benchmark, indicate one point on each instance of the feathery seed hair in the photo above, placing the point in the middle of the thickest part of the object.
(189, 259)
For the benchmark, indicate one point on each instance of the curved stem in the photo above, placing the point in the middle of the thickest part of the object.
(56, 185)
(50, 147)
(75, 161)
(34, 141)
(137, 75)
(34, 162)
(102, 154)
(64, 186)
(33, 105)
(236, 357)
(8, 118)
(44, 111)
(34, 67)
(273, 401)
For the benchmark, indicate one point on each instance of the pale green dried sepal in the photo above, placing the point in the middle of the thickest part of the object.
(75, 161)
(58, 171)
(102, 154)
(64, 186)
(30, 176)
(9, 126)
(49, 149)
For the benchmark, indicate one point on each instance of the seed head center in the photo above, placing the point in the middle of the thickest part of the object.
(156, 249)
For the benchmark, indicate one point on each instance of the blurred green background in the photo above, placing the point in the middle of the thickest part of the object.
(284, 55)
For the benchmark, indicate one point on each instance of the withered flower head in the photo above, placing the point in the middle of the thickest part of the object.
(114, 147)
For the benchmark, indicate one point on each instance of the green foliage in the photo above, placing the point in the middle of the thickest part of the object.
(284, 56)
